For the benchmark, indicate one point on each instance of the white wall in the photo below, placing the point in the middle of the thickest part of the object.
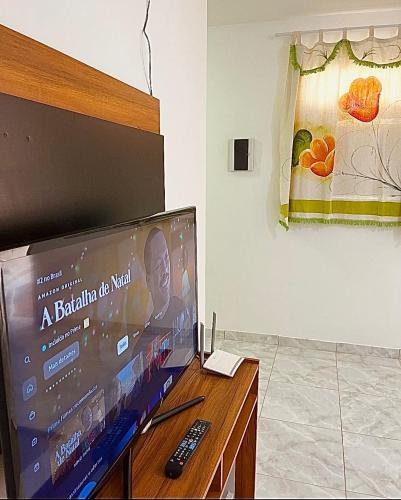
(106, 35)
(333, 283)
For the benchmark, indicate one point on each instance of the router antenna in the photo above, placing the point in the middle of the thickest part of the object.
(213, 333)
(202, 344)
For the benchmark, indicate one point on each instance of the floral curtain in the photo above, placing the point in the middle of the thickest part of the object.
(340, 136)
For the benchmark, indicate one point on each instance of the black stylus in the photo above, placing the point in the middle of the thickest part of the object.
(178, 409)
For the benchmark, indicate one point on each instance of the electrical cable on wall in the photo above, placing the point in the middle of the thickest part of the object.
(146, 36)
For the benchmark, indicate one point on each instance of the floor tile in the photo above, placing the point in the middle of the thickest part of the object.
(256, 338)
(300, 453)
(251, 349)
(378, 416)
(376, 380)
(351, 494)
(272, 487)
(306, 353)
(219, 333)
(265, 353)
(265, 369)
(366, 350)
(373, 465)
(368, 360)
(308, 344)
(302, 405)
(217, 343)
(263, 383)
(305, 371)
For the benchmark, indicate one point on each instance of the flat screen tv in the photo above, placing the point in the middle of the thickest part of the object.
(96, 328)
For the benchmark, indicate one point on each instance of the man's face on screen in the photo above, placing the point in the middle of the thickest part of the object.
(159, 276)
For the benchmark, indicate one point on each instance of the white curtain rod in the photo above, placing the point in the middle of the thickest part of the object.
(291, 33)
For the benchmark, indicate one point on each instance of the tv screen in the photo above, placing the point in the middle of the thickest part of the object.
(97, 327)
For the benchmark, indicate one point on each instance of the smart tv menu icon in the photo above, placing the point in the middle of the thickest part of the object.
(29, 388)
(35, 475)
(33, 443)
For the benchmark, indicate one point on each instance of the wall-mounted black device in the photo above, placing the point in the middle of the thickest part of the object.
(241, 155)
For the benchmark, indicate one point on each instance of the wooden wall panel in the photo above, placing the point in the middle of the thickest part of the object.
(63, 172)
(34, 71)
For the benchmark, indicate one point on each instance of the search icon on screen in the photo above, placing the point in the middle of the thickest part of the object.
(27, 360)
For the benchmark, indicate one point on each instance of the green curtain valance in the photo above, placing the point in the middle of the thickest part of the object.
(317, 58)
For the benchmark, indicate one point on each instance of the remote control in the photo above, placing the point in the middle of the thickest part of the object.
(186, 448)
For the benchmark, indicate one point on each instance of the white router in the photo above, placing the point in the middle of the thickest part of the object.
(219, 362)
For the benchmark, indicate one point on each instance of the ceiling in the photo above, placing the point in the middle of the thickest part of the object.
(250, 11)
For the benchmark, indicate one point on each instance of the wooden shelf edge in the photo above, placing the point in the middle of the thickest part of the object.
(213, 494)
(209, 485)
(237, 436)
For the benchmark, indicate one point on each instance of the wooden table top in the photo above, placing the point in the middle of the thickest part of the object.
(225, 398)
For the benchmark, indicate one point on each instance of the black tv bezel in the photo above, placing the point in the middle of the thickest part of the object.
(8, 435)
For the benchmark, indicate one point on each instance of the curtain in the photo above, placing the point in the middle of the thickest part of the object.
(340, 134)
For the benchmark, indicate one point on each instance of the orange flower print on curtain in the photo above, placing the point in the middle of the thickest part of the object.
(320, 156)
(362, 99)
(340, 133)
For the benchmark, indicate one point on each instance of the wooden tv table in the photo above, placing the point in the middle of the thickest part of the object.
(227, 451)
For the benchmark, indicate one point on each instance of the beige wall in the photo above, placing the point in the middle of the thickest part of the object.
(332, 283)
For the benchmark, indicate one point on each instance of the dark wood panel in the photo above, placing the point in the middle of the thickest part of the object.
(34, 71)
(63, 172)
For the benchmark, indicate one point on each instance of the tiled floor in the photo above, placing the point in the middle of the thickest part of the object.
(329, 425)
